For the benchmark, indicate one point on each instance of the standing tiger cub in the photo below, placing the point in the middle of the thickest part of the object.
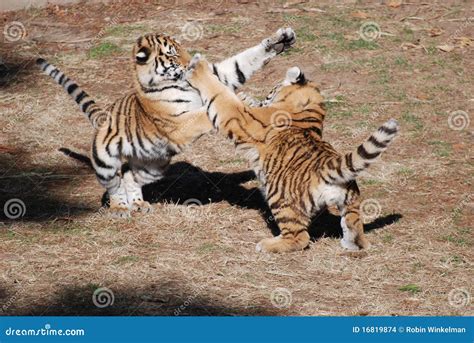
(301, 173)
(137, 135)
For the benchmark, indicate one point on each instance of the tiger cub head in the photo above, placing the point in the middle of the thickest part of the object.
(294, 92)
(158, 58)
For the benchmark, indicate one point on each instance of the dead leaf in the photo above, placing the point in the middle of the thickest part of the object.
(359, 14)
(290, 3)
(463, 41)
(421, 96)
(445, 48)
(395, 3)
(407, 46)
(435, 31)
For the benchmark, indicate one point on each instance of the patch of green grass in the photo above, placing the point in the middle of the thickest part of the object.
(292, 51)
(362, 44)
(304, 34)
(370, 182)
(441, 148)
(387, 238)
(412, 119)
(206, 248)
(341, 21)
(407, 34)
(232, 27)
(127, 259)
(432, 50)
(461, 241)
(412, 288)
(383, 77)
(405, 171)
(401, 61)
(103, 50)
(461, 236)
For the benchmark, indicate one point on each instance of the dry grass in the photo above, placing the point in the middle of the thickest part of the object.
(62, 250)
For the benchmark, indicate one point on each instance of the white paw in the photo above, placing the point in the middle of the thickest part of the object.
(349, 245)
(259, 247)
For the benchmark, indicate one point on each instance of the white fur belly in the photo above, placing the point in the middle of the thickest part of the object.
(328, 195)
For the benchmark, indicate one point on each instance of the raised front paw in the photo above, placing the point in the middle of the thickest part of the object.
(283, 39)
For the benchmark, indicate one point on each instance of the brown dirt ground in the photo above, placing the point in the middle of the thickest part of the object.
(203, 257)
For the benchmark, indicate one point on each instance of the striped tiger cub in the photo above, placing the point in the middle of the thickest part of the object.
(301, 174)
(136, 136)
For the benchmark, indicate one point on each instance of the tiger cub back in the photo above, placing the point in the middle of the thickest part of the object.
(302, 174)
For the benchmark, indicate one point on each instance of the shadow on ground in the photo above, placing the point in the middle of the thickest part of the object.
(168, 298)
(31, 193)
(185, 182)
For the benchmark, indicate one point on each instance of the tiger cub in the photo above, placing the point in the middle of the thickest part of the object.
(136, 136)
(301, 174)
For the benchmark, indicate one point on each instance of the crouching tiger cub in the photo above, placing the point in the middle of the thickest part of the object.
(301, 173)
(137, 135)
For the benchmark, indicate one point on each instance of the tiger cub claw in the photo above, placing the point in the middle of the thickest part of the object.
(119, 211)
(142, 206)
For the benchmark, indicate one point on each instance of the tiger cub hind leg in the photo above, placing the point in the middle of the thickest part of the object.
(294, 234)
(141, 173)
(353, 236)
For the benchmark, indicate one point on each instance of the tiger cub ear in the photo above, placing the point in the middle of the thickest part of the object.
(295, 76)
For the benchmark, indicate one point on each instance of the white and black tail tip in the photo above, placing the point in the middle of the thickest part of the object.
(295, 75)
(42, 63)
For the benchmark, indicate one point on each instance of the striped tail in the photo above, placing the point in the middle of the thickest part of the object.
(352, 164)
(96, 115)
